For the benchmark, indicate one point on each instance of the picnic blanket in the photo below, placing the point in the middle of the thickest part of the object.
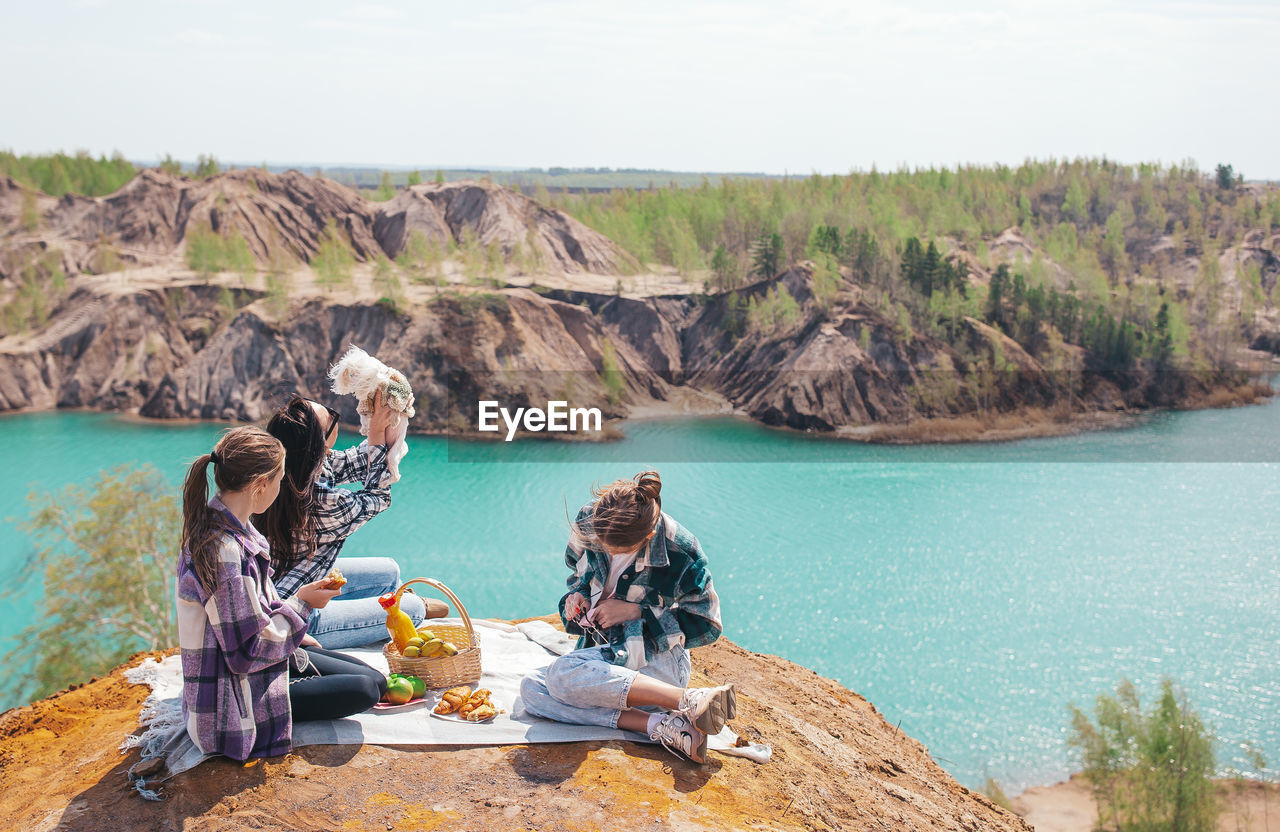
(509, 653)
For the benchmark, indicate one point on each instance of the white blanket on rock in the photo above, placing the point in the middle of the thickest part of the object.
(509, 652)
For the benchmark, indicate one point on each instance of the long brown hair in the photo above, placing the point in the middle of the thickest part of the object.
(626, 511)
(290, 523)
(241, 456)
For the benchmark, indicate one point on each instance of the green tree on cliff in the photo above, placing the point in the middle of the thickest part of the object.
(767, 255)
(104, 552)
(333, 260)
(1225, 176)
(1151, 770)
(386, 188)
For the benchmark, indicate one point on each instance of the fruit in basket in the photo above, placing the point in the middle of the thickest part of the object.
(450, 649)
(399, 690)
(433, 648)
(426, 635)
(417, 642)
(411, 652)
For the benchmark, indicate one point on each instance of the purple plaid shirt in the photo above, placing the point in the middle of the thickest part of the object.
(236, 644)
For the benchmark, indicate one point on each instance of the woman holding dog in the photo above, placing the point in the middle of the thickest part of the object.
(312, 518)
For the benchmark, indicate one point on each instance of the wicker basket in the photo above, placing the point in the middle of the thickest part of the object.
(440, 671)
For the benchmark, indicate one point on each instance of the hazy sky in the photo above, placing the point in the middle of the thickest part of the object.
(801, 86)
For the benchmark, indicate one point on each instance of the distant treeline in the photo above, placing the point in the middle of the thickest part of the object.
(1103, 244)
(60, 173)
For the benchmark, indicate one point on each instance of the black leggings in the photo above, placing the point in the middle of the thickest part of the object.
(333, 687)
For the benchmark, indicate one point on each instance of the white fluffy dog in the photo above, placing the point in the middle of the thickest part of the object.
(363, 376)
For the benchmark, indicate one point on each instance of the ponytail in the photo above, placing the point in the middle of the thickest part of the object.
(290, 524)
(241, 456)
(626, 511)
(199, 522)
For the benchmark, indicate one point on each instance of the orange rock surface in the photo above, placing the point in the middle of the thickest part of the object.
(837, 764)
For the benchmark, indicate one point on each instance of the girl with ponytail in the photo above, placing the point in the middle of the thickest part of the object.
(640, 596)
(240, 643)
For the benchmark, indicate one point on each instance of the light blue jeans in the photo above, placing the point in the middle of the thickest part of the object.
(355, 618)
(583, 689)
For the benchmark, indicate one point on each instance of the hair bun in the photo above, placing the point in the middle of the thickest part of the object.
(649, 485)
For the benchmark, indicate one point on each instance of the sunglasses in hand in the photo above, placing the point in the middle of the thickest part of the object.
(591, 629)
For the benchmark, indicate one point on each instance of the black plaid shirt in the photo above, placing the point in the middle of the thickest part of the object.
(340, 511)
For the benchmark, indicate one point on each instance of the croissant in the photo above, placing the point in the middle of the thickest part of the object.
(453, 699)
(476, 700)
(334, 580)
(480, 713)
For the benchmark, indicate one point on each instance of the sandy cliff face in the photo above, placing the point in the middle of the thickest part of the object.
(149, 219)
(183, 354)
(195, 351)
(838, 765)
(497, 217)
(155, 339)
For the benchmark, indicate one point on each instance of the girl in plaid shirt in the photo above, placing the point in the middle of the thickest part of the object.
(240, 642)
(313, 518)
(639, 595)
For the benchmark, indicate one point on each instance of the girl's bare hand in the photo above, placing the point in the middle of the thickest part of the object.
(574, 606)
(316, 595)
(379, 420)
(309, 641)
(612, 612)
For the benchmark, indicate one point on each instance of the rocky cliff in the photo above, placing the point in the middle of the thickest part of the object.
(809, 350)
(148, 221)
(182, 352)
(837, 765)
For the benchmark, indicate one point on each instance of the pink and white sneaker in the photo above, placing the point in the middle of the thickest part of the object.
(677, 732)
(710, 708)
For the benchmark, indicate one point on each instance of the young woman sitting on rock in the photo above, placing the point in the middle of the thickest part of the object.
(245, 678)
(640, 595)
(313, 517)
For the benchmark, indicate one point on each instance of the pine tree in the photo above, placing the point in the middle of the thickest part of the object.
(768, 255)
(999, 288)
(1226, 176)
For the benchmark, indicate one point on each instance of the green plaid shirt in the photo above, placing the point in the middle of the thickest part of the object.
(669, 580)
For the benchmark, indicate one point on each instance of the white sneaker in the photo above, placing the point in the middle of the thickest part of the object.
(710, 707)
(677, 732)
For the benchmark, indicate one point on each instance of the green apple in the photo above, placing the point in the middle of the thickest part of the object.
(399, 691)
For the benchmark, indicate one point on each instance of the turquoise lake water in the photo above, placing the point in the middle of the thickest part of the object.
(969, 592)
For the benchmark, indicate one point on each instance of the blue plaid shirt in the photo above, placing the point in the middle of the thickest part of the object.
(340, 511)
(669, 580)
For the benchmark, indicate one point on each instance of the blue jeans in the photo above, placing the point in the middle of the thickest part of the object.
(355, 618)
(583, 689)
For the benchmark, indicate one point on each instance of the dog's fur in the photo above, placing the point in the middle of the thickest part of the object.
(361, 375)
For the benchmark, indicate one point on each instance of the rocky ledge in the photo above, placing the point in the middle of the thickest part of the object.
(837, 765)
